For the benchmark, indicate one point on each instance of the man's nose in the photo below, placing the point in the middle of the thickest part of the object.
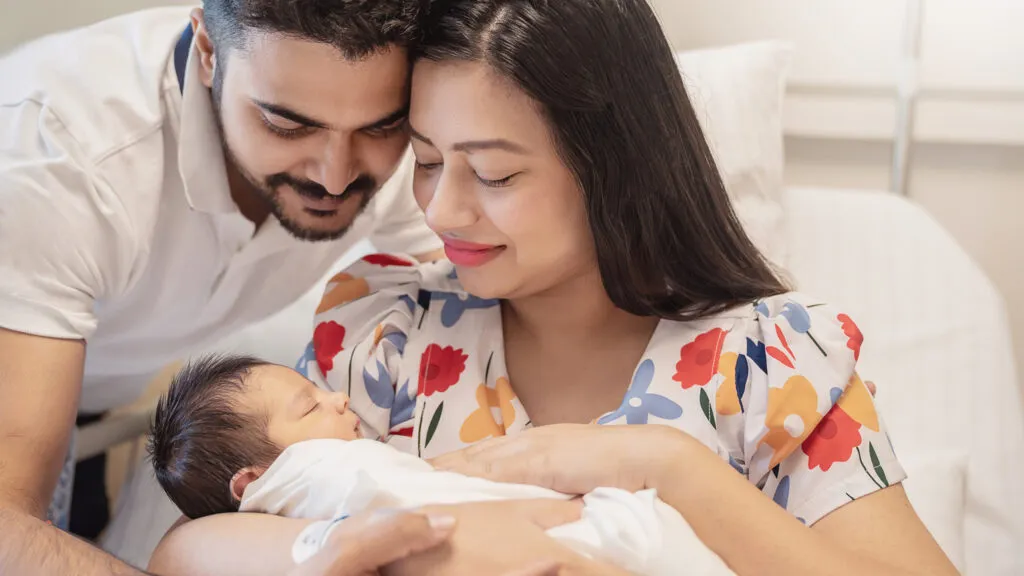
(338, 165)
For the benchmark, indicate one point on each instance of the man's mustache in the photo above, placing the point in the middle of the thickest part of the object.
(364, 184)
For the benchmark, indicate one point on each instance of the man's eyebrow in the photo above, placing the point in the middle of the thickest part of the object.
(388, 120)
(288, 114)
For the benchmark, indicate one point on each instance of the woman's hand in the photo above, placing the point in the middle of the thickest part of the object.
(574, 458)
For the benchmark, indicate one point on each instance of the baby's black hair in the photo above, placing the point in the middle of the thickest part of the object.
(201, 436)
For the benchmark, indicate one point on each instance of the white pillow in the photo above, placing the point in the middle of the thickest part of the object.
(737, 93)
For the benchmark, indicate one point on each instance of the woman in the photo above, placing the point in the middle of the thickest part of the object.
(600, 276)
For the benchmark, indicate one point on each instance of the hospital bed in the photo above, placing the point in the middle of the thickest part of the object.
(937, 343)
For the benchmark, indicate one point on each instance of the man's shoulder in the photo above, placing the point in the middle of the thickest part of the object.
(104, 82)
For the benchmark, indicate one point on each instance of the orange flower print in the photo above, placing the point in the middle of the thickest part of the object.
(727, 399)
(857, 403)
(791, 417)
(698, 360)
(833, 440)
(481, 423)
(856, 338)
(341, 289)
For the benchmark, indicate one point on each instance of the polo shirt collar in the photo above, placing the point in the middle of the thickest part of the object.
(200, 150)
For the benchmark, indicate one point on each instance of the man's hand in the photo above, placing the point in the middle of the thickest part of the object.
(361, 546)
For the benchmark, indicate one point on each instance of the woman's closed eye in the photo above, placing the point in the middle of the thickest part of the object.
(498, 182)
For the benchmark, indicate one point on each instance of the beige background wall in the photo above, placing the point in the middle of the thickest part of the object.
(967, 166)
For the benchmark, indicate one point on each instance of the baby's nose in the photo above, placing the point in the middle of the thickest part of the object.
(341, 401)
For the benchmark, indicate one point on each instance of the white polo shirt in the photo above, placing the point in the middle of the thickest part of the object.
(116, 222)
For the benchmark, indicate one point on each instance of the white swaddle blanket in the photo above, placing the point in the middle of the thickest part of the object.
(321, 479)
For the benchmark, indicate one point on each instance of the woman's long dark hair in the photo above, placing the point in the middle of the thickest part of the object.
(668, 242)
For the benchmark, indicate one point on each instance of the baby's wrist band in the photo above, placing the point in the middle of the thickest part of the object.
(312, 539)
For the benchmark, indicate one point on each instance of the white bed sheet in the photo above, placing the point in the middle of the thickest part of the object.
(937, 343)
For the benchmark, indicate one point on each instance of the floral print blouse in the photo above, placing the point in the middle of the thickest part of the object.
(771, 387)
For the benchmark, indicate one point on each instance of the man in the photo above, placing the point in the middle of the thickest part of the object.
(160, 189)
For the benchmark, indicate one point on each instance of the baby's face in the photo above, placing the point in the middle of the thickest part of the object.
(298, 409)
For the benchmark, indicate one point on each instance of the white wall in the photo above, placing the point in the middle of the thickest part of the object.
(22, 20)
(967, 157)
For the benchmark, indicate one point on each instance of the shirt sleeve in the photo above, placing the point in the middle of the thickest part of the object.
(64, 236)
(361, 328)
(401, 226)
(794, 414)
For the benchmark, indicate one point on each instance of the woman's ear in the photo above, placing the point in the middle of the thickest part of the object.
(242, 479)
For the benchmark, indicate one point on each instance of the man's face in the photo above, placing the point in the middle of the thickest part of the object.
(314, 134)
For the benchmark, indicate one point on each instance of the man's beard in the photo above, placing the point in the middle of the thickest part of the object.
(268, 189)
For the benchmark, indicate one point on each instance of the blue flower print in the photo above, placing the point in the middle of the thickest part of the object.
(758, 352)
(781, 496)
(638, 404)
(797, 317)
(455, 305)
(762, 309)
(800, 321)
(405, 299)
(379, 387)
(404, 406)
(302, 366)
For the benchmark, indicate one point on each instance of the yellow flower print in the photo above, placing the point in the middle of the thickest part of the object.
(341, 289)
(727, 400)
(792, 416)
(481, 423)
(856, 402)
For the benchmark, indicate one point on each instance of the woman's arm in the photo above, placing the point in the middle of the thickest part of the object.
(877, 534)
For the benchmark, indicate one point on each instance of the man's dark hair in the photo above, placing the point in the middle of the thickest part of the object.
(201, 436)
(357, 28)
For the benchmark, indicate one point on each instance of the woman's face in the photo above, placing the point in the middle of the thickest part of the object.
(492, 185)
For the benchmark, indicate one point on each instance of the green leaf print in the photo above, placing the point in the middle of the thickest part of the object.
(876, 464)
(705, 405)
(433, 424)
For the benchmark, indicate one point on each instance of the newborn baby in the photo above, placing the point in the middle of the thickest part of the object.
(237, 434)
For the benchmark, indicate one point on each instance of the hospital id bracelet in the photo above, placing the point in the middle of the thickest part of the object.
(313, 537)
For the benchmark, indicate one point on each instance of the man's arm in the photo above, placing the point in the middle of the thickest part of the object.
(40, 383)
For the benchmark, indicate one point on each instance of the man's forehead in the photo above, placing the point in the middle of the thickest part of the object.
(314, 79)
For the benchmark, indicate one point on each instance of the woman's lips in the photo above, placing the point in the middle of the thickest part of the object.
(470, 254)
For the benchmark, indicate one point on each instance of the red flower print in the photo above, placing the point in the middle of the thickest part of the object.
(698, 360)
(833, 440)
(327, 340)
(853, 333)
(440, 369)
(779, 354)
(406, 431)
(386, 260)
